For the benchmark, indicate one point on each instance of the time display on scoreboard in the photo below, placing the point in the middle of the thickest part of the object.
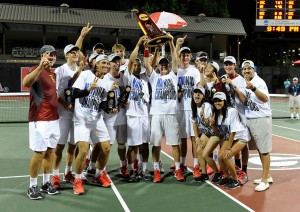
(278, 13)
(282, 28)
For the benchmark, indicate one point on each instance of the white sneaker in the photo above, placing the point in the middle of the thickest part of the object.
(258, 181)
(297, 116)
(262, 186)
(292, 116)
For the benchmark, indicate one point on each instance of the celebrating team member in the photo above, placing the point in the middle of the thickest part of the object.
(259, 120)
(234, 134)
(43, 120)
(89, 91)
(163, 111)
(137, 113)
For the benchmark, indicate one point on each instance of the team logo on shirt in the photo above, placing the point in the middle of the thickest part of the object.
(136, 93)
(250, 105)
(187, 83)
(94, 99)
(165, 90)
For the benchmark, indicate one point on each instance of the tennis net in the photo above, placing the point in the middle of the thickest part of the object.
(14, 107)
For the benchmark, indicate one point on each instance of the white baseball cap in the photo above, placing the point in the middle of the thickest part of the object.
(219, 95)
(215, 65)
(230, 59)
(248, 63)
(69, 48)
(101, 57)
(295, 78)
(111, 57)
(185, 49)
(199, 88)
(93, 56)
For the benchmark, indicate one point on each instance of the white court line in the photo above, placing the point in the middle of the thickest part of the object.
(114, 188)
(285, 127)
(223, 192)
(286, 138)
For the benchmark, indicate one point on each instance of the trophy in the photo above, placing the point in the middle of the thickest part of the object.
(68, 95)
(149, 28)
(122, 100)
(111, 101)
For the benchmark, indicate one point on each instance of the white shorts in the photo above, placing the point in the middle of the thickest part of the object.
(66, 127)
(91, 133)
(118, 133)
(137, 130)
(164, 125)
(294, 101)
(185, 124)
(43, 134)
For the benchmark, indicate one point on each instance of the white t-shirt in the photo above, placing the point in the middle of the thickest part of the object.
(256, 108)
(202, 127)
(231, 124)
(63, 75)
(124, 66)
(119, 118)
(188, 78)
(87, 109)
(240, 83)
(139, 95)
(164, 93)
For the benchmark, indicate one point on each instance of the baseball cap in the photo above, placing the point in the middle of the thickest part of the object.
(112, 57)
(69, 48)
(248, 63)
(219, 95)
(163, 60)
(295, 78)
(93, 56)
(47, 48)
(200, 88)
(201, 55)
(185, 49)
(215, 65)
(138, 60)
(98, 46)
(230, 59)
(101, 57)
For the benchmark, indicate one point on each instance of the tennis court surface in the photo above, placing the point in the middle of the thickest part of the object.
(169, 195)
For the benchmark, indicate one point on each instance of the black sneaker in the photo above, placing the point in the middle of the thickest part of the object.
(233, 184)
(48, 188)
(133, 176)
(146, 176)
(217, 176)
(90, 172)
(202, 177)
(34, 192)
(224, 181)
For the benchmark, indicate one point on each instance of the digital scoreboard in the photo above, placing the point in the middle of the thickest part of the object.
(278, 16)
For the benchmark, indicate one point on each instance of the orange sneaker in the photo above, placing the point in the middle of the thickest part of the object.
(156, 177)
(124, 171)
(55, 181)
(209, 170)
(197, 173)
(69, 177)
(78, 186)
(105, 176)
(178, 175)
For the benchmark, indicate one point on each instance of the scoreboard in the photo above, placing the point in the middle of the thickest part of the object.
(278, 16)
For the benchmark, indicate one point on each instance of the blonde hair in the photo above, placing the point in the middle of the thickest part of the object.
(117, 46)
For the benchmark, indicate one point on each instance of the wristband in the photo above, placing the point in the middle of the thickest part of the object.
(253, 89)
(82, 36)
(228, 149)
(146, 53)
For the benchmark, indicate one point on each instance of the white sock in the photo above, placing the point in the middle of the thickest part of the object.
(92, 165)
(78, 175)
(123, 162)
(55, 171)
(196, 162)
(156, 165)
(145, 166)
(46, 178)
(97, 173)
(177, 165)
(67, 169)
(32, 182)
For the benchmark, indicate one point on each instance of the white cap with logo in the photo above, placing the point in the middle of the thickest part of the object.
(230, 59)
(219, 95)
(248, 63)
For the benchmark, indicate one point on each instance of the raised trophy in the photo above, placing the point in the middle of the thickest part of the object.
(123, 98)
(149, 28)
